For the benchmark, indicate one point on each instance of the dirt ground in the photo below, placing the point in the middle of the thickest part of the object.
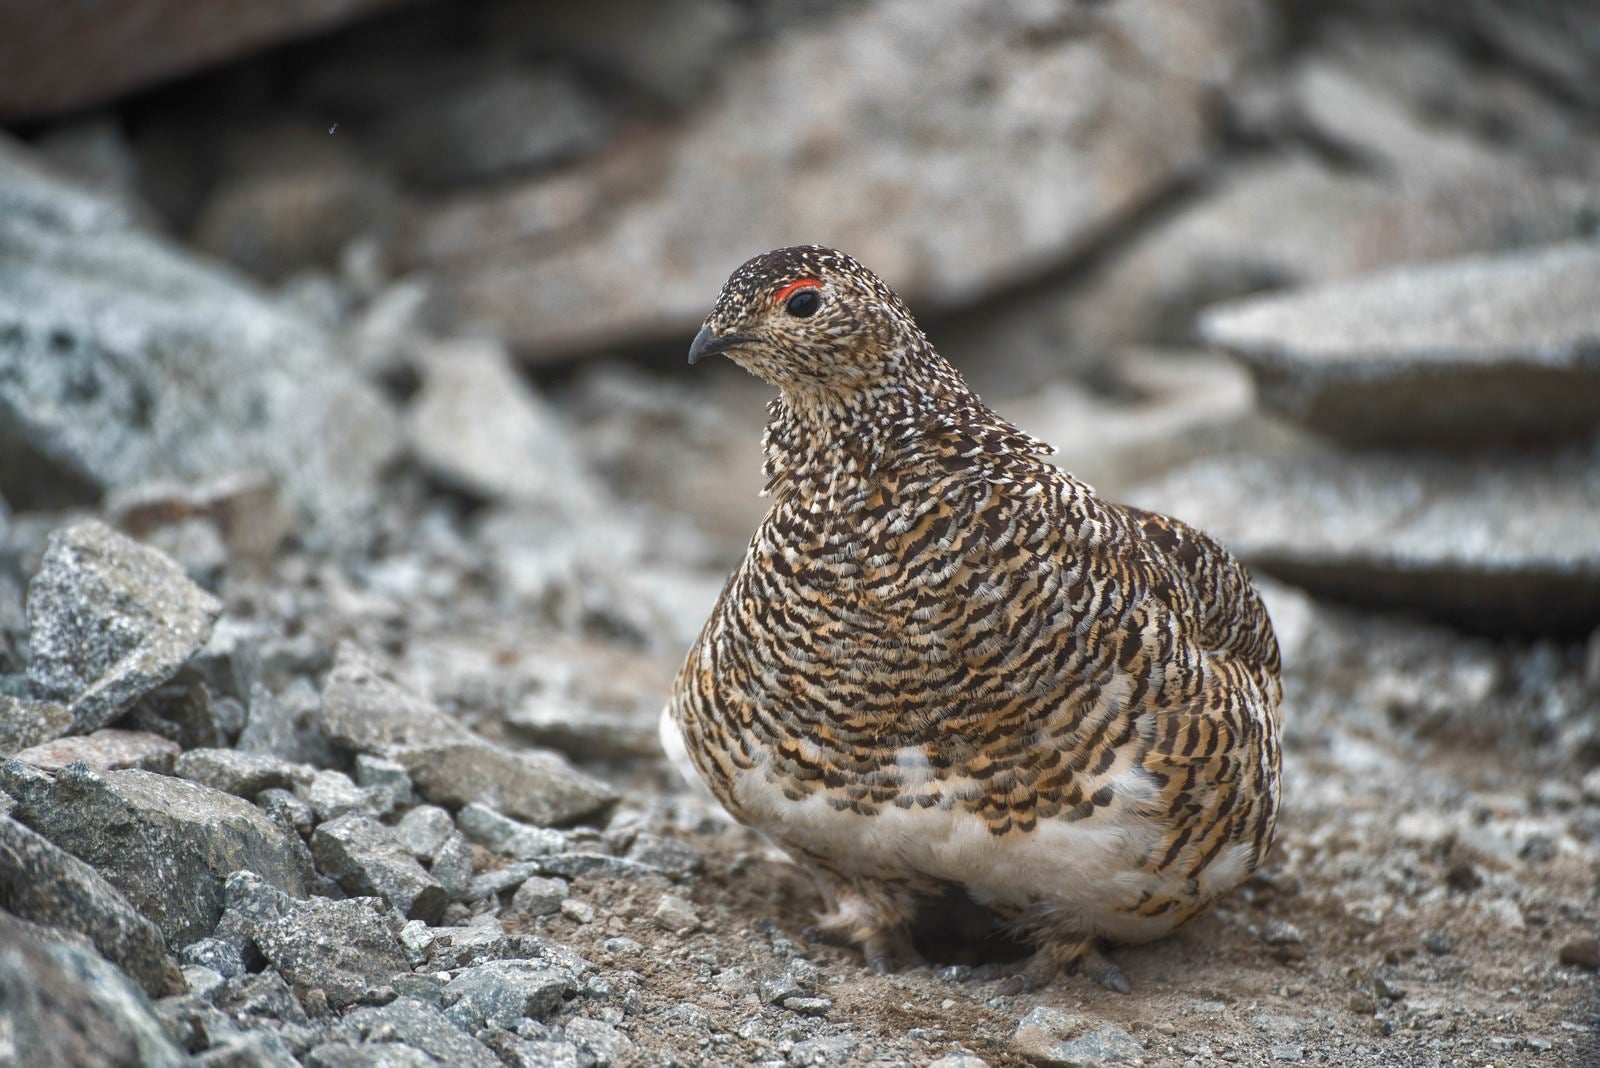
(1434, 856)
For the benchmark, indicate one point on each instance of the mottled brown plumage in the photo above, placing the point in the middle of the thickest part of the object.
(945, 661)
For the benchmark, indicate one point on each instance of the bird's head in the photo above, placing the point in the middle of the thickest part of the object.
(809, 319)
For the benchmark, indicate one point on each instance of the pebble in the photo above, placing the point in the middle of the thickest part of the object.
(807, 1006)
(577, 911)
(1582, 952)
(675, 914)
(539, 896)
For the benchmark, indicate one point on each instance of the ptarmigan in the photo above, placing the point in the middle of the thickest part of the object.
(946, 662)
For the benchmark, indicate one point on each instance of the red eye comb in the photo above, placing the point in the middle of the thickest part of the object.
(799, 283)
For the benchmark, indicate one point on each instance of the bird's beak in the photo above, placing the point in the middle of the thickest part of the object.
(708, 344)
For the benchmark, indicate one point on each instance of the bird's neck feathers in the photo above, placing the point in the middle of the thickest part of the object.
(816, 435)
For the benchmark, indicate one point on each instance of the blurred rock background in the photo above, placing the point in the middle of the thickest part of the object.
(342, 340)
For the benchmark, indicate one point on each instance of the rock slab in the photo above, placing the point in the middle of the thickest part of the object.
(1468, 350)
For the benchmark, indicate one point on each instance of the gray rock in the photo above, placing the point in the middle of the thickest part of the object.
(142, 44)
(677, 859)
(583, 731)
(66, 1005)
(475, 423)
(258, 1050)
(369, 1055)
(106, 749)
(374, 772)
(262, 999)
(453, 866)
(538, 896)
(332, 794)
(599, 1040)
(517, 840)
(671, 50)
(424, 830)
(539, 787)
(673, 913)
(239, 773)
(249, 902)
(287, 725)
(25, 723)
(167, 844)
(1489, 347)
(47, 885)
(365, 857)
(1088, 125)
(287, 810)
(577, 864)
(414, 1023)
(194, 374)
(503, 992)
(243, 510)
(1498, 543)
(460, 947)
(343, 948)
(476, 126)
(109, 620)
(1043, 1038)
(223, 958)
(365, 711)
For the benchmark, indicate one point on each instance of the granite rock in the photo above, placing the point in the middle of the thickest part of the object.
(167, 844)
(408, 1022)
(109, 620)
(365, 857)
(366, 711)
(123, 359)
(25, 723)
(104, 750)
(539, 787)
(64, 1004)
(343, 948)
(47, 885)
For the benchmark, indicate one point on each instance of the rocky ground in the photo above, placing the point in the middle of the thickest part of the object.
(332, 639)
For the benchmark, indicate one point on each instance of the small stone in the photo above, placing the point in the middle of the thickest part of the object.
(678, 859)
(1590, 786)
(959, 1060)
(416, 938)
(287, 811)
(215, 954)
(577, 911)
(539, 787)
(410, 1022)
(502, 834)
(777, 990)
(203, 982)
(343, 948)
(1385, 989)
(239, 773)
(1582, 952)
(538, 896)
(1042, 1037)
(332, 794)
(376, 773)
(1281, 933)
(503, 992)
(109, 620)
(1437, 942)
(1538, 849)
(452, 866)
(675, 914)
(1287, 1053)
(600, 1041)
(424, 830)
(367, 858)
(364, 710)
(808, 1006)
(1463, 877)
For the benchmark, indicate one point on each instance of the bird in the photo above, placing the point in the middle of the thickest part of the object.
(945, 663)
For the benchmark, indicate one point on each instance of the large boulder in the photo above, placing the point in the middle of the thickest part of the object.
(124, 359)
(883, 130)
(66, 57)
(1478, 348)
(1503, 543)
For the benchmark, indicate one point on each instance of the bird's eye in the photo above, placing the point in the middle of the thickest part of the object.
(803, 303)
